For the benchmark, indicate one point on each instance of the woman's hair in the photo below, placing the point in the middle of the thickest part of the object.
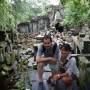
(66, 46)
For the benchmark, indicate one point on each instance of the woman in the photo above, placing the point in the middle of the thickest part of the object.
(68, 71)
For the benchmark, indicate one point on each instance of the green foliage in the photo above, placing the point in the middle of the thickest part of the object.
(22, 65)
(77, 12)
(64, 1)
(84, 73)
(25, 10)
(21, 85)
(6, 17)
(8, 67)
(5, 65)
(19, 11)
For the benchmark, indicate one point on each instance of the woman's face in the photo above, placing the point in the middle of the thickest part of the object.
(64, 53)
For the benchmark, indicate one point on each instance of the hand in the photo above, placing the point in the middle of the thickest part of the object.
(56, 77)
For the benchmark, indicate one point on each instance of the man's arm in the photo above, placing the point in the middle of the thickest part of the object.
(73, 69)
(40, 57)
(50, 60)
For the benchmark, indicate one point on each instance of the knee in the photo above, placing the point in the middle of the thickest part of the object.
(60, 85)
(61, 82)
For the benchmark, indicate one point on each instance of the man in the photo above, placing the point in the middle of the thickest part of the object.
(68, 71)
(48, 53)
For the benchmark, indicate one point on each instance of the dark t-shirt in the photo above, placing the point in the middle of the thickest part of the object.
(59, 28)
(48, 52)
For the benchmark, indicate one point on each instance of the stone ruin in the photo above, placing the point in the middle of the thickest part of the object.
(40, 23)
(37, 24)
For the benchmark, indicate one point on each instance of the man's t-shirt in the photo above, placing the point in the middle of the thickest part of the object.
(49, 53)
(59, 28)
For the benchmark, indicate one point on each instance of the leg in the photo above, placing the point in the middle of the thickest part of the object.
(40, 71)
(40, 74)
(60, 85)
(74, 85)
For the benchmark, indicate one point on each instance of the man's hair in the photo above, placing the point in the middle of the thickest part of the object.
(66, 46)
(47, 37)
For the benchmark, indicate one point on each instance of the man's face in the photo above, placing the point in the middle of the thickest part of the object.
(64, 53)
(47, 43)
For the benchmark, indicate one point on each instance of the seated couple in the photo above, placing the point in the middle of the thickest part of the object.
(63, 66)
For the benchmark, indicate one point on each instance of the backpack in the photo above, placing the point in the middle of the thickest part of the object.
(53, 51)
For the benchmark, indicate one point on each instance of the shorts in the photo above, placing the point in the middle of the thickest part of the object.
(52, 67)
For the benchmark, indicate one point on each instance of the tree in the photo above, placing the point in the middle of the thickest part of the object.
(6, 17)
(77, 12)
(12, 13)
(24, 10)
